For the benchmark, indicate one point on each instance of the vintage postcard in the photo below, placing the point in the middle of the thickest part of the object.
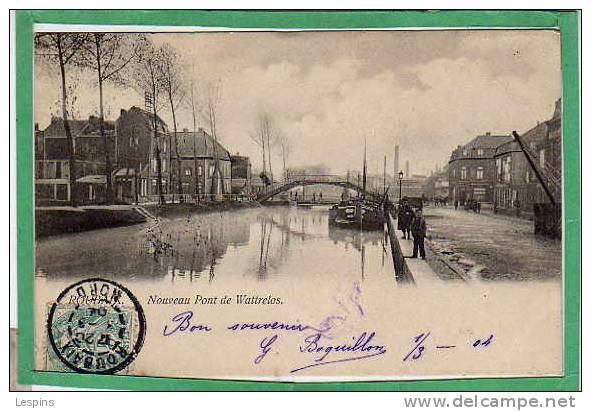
(303, 205)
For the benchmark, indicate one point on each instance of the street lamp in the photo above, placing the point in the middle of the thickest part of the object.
(400, 177)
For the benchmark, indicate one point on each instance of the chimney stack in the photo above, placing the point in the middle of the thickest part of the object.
(396, 159)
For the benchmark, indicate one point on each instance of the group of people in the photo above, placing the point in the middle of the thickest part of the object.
(411, 221)
(440, 201)
(468, 205)
(294, 195)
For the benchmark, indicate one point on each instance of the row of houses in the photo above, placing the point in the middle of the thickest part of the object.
(493, 168)
(134, 150)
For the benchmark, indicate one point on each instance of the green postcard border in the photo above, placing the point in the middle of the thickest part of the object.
(566, 21)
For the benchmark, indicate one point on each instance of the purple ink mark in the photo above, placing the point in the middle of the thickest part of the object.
(329, 323)
(276, 325)
(265, 345)
(354, 298)
(418, 349)
(183, 323)
(360, 343)
(484, 343)
(446, 346)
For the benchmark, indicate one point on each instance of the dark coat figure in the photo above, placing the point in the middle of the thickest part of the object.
(456, 204)
(405, 217)
(419, 231)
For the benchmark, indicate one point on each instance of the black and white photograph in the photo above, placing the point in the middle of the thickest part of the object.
(298, 205)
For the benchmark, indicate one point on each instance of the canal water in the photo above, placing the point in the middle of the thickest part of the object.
(262, 244)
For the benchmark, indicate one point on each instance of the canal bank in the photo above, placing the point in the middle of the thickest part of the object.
(65, 219)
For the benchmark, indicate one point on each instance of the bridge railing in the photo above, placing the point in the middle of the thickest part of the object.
(329, 178)
(295, 179)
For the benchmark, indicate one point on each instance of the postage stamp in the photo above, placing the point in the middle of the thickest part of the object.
(95, 326)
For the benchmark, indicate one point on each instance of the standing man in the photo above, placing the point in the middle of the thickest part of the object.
(405, 216)
(419, 231)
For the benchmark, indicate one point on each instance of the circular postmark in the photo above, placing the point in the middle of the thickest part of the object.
(96, 326)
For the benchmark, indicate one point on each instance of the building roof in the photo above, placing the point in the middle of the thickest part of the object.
(508, 147)
(199, 144)
(148, 116)
(487, 141)
(78, 128)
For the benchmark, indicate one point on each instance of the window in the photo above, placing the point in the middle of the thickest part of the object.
(527, 178)
(542, 158)
(479, 173)
(463, 173)
(61, 192)
(44, 191)
(65, 169)
(465, 152)
(164, 166)
(507, 170)
(188, 172)
(479, 193)
(50, 169)
(480, 152)
(199, 170)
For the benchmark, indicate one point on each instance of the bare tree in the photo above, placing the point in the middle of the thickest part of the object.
(195, 166)
(284, 145)
(258, 137)
(147, 80)
(172, 83)
(270, 140)
(63, 48)
(108, 54)
(212, 103)
(263, 137)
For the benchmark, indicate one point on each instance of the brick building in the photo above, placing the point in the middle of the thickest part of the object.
(135, 175)
(52, 166)
(198, 153)
(472, 167)
(132, 147)
(517, 188)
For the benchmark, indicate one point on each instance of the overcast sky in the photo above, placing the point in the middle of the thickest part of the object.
(427, 91)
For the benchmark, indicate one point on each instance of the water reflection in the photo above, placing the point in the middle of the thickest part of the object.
(261, 244)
